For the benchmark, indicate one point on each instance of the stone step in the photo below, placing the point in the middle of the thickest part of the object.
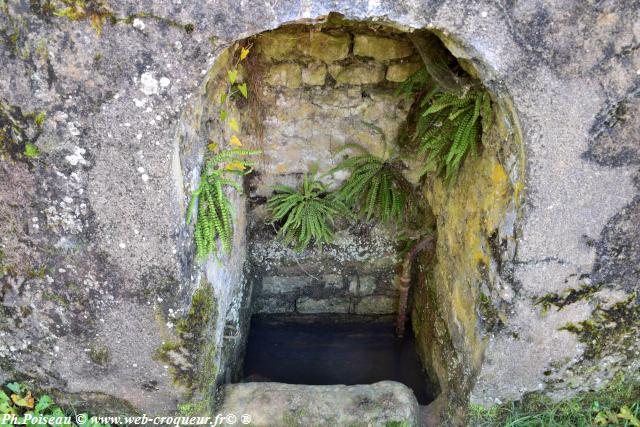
(277, 404)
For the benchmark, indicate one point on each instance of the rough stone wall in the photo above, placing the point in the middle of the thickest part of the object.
(322, 90)
(466, 292)
(198, 126)
(105, 230)
(354, 275)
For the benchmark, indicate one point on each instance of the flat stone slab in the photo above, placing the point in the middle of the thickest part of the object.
(278, 404)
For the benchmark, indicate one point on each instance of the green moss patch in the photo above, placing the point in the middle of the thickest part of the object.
(18, 133)
(567, 297)
(192, 356)
(612, 330)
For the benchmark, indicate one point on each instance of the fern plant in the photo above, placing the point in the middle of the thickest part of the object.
(376, 187)
(214, 214)
(214, 220)
(450, 127)
(308, 213)
(414, 85)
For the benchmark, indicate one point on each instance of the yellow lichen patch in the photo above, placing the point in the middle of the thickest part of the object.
(281, 168)
(495, 201)
(498, 175)
(467, 213)
(462, 299)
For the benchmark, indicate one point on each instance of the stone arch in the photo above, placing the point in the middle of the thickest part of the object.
(460, 301)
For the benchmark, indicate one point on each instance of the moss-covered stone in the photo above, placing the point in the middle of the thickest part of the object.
(451, 314)
(292, 44)
(190, 357)
(381, 48)
(314, 74)
(327, 305)
(19, 132)
(358, 73)
(286, 74)
(325, 47)
(402, 71)
(100, 354)
(278, 45)
(610, 330)
(377, 305)
(567, 297)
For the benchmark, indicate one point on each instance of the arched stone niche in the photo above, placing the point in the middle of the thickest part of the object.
(313, 88)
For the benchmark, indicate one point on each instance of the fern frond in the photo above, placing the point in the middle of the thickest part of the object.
(449, 127)
(308, 213)
(214, 222)
(369, 190)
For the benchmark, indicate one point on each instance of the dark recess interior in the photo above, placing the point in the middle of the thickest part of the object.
(323, 352)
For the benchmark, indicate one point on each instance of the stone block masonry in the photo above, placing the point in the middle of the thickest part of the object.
(381, 48)
(370, 294)
(301, 58)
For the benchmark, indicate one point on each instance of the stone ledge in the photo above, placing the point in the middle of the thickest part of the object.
(377, 305)
(326, 305)
(271, 404)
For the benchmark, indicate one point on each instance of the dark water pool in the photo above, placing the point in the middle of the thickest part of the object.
(325, 352)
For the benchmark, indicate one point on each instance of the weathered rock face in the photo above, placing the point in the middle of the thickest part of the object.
(274, 404)
(97, 268)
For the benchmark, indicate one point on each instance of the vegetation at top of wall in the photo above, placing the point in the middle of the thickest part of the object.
(308, 213)
(376, 187)
(447, 127)
(617, 404)
(214, 220)
(96, 11)
(17, 400)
